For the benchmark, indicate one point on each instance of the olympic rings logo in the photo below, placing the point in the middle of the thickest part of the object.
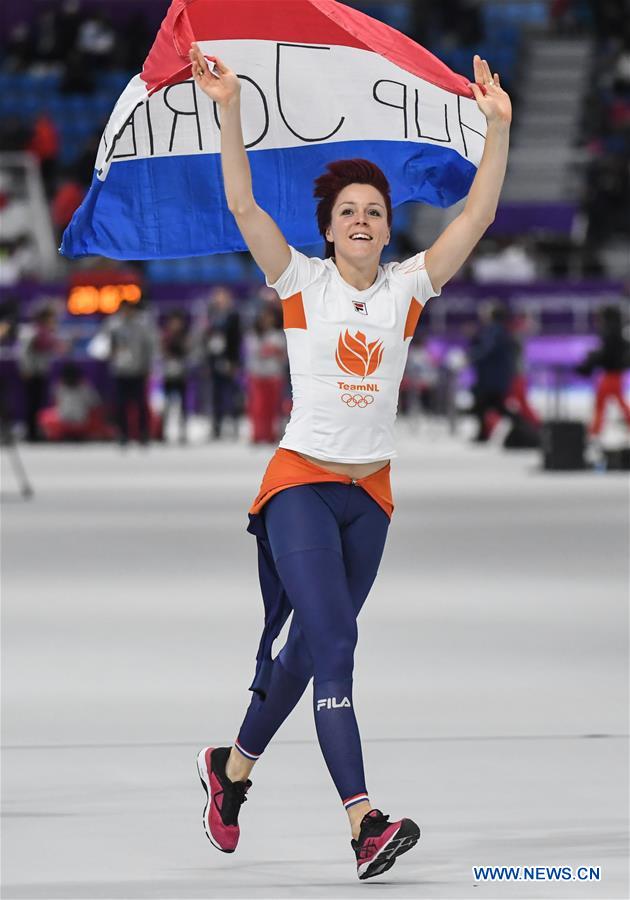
(360, 400)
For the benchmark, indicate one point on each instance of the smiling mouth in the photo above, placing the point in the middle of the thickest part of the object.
(360, 236)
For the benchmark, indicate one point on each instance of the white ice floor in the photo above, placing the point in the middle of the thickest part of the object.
(491, 679)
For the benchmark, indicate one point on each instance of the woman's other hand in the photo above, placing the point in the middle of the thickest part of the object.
(222, 86)
(491, 99)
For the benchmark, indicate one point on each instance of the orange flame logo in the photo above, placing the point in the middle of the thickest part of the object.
(356, 357)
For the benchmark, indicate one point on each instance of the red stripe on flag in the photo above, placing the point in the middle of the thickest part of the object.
(323, 22)
(297, 21)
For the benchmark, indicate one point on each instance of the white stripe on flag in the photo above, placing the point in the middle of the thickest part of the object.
(320, 95)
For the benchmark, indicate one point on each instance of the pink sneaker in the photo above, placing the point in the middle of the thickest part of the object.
(381, 841)
(225, 798)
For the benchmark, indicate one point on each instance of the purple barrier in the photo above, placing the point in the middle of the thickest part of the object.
(554, 307)
(525, 218)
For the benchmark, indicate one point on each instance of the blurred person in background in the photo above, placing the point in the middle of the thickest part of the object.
(266, 365)
(77, 413)
(96, 40)
(66, 200)
(9, 315)
(460, 21)
(492, 354)
(131, 351)
(222, 346)
(612, 359)
(267, 299)
(38, 346)
(14, 212)
(18, 49)
(419, 384)
(521, 327)
(506, 260)
(18, 259)
(175, 350)
(44, 145)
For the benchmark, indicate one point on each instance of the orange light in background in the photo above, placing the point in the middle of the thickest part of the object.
(109, 299)
(86, 299)
(131, 292)
(83, 301)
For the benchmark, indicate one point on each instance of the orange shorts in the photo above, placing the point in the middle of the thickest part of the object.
(288, 469)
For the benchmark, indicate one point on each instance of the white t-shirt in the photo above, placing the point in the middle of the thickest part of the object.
(347, 352)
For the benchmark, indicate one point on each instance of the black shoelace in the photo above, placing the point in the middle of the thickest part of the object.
(233, 798)
(373, 824)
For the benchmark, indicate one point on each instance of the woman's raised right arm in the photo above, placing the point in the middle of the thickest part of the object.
(266, 242)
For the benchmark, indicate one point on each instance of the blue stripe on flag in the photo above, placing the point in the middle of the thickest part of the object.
(169, 207)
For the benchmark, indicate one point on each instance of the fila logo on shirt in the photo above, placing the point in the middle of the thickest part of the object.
(332, 703)
(360, 307)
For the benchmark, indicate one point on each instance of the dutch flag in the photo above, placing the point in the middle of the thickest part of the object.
(320, 81)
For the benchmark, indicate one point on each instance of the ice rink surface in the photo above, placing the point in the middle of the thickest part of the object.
(491, 679)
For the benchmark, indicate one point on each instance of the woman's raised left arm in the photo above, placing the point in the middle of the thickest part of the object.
(454, 245)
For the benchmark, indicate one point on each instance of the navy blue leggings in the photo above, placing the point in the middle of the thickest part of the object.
(327, 541)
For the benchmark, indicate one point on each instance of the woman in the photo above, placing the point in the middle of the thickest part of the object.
(175, 346)
(322, 513)
(613, 358)
(38, 344)
(266, 376)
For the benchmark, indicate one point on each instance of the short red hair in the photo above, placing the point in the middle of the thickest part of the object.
(339, 175)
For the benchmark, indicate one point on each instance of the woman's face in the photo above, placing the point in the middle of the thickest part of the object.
(358, 226)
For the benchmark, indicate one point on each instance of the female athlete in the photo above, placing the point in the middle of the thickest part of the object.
(323, 510)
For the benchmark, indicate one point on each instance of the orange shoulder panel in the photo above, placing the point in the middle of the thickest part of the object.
(413, 315)
(293, 312)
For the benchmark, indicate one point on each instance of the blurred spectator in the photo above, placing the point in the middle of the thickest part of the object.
(14, 216)
(267, 299)
(38, 345)
(266, 358)
(67, 199)
(607, 198)
(175, 346)
(65, 32)
(613, 358)
(131, 350)
(622, 66)
(222, 345)
(419, 384)
(18, 260)
(44, 145)
(18, 50)
(9, 314)
(493, 356)
(44, 45)
(457, 22)
(96, 40)
(520, 328)
(67, 23)
(82, 169)
(77, 413)
(510, 261)
(570, 15)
